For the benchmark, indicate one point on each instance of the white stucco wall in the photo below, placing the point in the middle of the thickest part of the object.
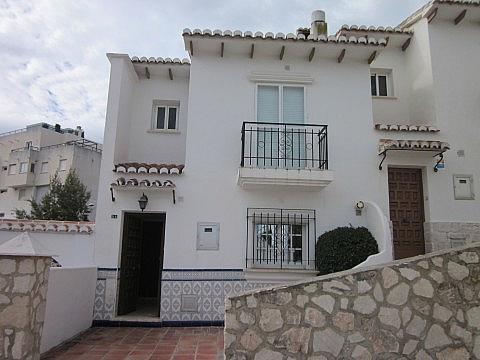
(70, 249)
(70, 297)
(115, 148)
(220, 95)
(393, 109)
(153, 146)
(379, 225)
(419, 75)
(455, 52)
(207, 191)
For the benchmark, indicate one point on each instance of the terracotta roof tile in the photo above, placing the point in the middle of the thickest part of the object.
(146, 168)
(426, 145)
(334, 39)
(458, 2)
(404, 127)
(47, 226)
(160, 60)
(133, 183)
(373, 29)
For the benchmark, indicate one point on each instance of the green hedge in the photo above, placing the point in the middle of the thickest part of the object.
(343, 248)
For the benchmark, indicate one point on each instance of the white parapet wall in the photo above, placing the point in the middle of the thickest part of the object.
(379, 226)
(71, 243)
(70, 296)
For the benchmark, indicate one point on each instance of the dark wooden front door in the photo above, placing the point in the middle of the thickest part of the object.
(405, 189)
(130, 264)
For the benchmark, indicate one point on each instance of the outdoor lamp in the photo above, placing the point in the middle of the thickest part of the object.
(142, 202)
(359, 206)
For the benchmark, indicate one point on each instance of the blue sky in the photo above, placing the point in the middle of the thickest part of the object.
(54, 67)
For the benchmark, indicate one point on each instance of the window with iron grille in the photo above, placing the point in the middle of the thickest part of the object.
(280, 238)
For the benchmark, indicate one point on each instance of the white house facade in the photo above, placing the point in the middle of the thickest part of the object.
(244, 154)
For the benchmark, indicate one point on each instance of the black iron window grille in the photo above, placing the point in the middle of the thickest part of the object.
(280, 238)
(285, 146)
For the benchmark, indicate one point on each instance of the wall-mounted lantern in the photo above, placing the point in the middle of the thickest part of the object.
(359, 206)
(142, 202)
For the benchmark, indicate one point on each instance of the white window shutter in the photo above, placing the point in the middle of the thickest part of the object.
(268, 104)
(293, 105)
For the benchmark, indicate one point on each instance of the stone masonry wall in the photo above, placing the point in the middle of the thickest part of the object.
(23, 290)
(423, 308)
(448, 235)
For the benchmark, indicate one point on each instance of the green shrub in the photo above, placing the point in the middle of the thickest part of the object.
(343, 248)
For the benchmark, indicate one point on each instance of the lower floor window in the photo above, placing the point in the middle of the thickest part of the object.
(280, 238)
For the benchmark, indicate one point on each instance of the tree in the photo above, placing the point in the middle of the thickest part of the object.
(63, 202)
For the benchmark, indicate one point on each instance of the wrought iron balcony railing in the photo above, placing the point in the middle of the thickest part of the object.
(284, 146)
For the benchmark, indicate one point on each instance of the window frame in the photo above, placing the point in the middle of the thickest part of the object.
(284, 222)
(60, 164)
(284, 263)
(166, 118)
(22, 170)
(10, 167)
(388, 74)
(280, 99)
(42, 170)
(22, 195)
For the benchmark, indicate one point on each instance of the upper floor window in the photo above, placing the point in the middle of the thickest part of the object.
(12, 169)
(281, 104)
(44, 167)
(166, 118)
(381, 83)
(23, 168)
(280, 139)
(62, 165)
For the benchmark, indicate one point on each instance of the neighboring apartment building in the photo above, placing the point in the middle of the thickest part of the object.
(31, 156)
(264, 142)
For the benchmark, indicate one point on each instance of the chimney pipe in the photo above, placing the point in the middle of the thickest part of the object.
(318, 24)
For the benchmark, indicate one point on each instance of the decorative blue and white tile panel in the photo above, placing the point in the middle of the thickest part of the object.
(187, 294)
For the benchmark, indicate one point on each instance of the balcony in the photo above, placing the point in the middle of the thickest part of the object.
(23, 159)
(282, 154)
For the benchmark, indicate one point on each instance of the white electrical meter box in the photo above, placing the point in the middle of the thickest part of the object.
(463, 187)
(208, 236)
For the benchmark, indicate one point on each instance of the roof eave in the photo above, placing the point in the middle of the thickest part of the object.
(332, 39)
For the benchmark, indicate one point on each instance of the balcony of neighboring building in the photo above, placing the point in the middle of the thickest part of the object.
(20, 175)
(284, 154)
(21, 167)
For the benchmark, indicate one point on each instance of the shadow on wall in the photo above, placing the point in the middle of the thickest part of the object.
(69, 309)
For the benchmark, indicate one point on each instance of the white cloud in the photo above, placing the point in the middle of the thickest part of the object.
(54, 67)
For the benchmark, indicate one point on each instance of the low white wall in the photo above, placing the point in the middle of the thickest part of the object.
(70, 297)
(379, 226)
(70, 248)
